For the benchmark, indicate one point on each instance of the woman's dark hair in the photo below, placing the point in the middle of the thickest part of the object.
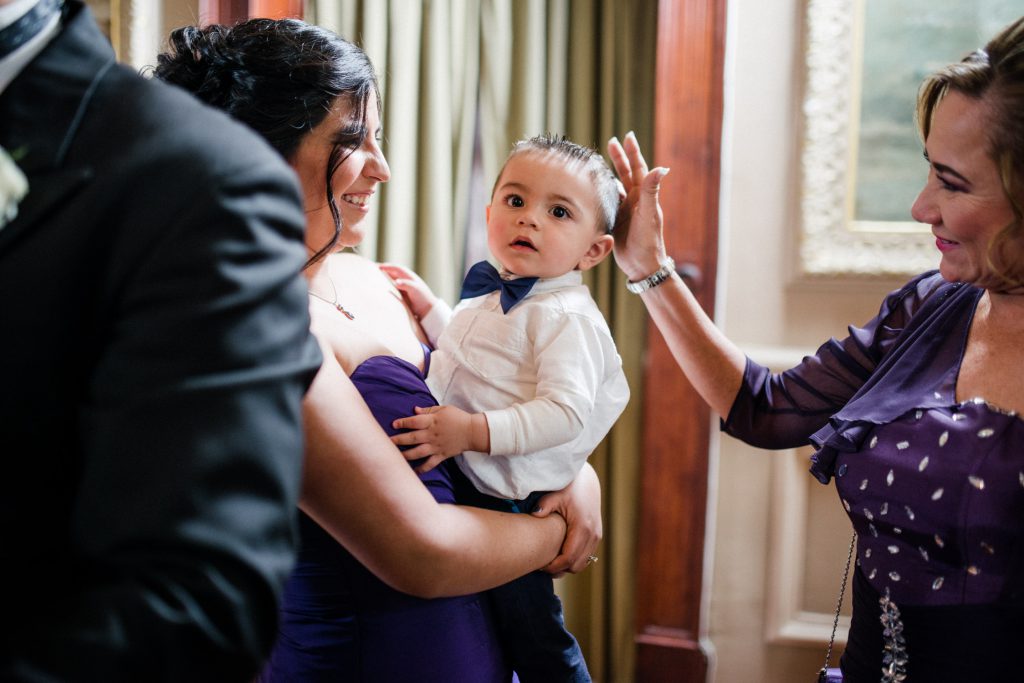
(995, 75)
(281, 77)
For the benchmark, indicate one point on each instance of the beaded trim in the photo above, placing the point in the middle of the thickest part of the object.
(978, 401)
(894, 657)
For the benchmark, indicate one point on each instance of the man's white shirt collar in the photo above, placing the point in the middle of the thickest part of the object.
(12, 64)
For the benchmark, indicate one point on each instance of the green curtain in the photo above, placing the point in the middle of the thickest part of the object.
(461, 80)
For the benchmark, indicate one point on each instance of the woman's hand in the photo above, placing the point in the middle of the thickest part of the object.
(580, 504)
(639, 243)
(417, 292)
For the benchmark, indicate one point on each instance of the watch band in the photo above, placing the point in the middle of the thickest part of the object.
(668, 267)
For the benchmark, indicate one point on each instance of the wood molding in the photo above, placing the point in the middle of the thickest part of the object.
(232, 11)
(276, 9)
(670, 543)
(787, 620)
(223, 11)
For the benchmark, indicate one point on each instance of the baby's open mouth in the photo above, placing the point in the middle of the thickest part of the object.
(524, 243)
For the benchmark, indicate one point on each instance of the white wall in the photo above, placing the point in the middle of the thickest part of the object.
(763, 309)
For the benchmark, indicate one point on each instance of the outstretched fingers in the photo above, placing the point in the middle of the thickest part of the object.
(620, 162)
(637, 163)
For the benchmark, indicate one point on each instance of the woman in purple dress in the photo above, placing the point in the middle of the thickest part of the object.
(385, 584)
(917, 414)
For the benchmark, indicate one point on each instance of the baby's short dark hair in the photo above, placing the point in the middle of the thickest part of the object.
(605, 184)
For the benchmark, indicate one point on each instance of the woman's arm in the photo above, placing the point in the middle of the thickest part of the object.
(359, 488)
(712, 363)
(765, 409)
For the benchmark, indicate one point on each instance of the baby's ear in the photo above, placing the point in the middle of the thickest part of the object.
(597, 252)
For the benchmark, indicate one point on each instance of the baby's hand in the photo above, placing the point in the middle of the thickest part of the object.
(440, 432)
(421, 299)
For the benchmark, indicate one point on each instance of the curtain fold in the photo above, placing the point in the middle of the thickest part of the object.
(461, 80)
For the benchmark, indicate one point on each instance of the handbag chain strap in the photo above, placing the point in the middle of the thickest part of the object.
(839, 603)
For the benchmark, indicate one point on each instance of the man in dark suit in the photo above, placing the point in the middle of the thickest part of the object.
(154, 351)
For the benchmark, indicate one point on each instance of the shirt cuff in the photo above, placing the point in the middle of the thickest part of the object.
(502, 432)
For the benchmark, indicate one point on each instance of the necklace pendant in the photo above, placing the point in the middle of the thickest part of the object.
(334, 302)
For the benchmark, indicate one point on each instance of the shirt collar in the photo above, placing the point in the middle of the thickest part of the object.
(547, 284)
(12, 64)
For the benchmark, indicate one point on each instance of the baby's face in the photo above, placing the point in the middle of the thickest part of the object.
(543, 218)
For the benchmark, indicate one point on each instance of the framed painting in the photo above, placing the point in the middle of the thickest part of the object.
(861, 157)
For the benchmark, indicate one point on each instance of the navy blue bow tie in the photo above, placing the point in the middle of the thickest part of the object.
(483, 278)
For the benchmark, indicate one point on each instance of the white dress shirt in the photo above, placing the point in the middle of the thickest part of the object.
(12, 64)
(546, 375)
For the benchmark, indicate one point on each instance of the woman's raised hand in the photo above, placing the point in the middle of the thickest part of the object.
(639, 244)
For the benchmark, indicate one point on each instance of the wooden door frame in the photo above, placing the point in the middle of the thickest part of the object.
(674, 480)
(232, 11)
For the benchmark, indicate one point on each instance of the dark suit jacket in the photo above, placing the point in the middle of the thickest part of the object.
(154, 349)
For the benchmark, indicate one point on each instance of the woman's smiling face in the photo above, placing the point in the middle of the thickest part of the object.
(354, 181)
(963, 199)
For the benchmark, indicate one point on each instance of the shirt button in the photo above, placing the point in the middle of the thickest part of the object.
(842, 470)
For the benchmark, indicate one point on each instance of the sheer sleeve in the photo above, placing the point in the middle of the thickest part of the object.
(783, 410)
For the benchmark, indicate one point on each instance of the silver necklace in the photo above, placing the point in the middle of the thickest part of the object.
(334, 302)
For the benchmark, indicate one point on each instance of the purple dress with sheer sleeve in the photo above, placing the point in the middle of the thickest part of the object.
(339, 622)
(934, 487)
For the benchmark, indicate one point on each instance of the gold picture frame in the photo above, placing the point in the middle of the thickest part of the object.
(860, 159)
(832, 241)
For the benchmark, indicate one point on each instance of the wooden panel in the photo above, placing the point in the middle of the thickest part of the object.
(276, 9)
(223, 11)
(232, 11)
(670, 545)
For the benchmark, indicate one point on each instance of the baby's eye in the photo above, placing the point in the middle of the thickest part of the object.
(514, 201)
(560, 212)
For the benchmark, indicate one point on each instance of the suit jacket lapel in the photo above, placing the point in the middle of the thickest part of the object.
(41, 111)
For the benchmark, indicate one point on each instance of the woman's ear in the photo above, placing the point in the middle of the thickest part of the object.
(597, 252)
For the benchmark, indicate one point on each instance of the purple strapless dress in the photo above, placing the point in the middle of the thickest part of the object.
(339, 622)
